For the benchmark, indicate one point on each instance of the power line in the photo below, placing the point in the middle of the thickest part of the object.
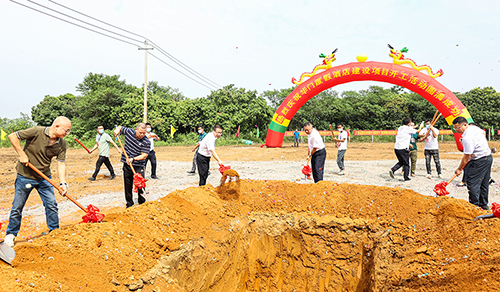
(186, 67)
(178, 70)
(76, 11)
(177, 61)
(74, 23)
(162, 51)
(83, 21)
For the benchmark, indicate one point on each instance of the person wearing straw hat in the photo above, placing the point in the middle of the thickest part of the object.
(137, 147)
(316, 152)
(42, 144)
(431, 149)
(477, 155)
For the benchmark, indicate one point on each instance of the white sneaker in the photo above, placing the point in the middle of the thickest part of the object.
(9, 240)
(440, 176)
(429, 176)
(341, 172)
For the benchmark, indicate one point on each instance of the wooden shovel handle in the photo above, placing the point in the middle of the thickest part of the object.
(125, 152)
(452, 178)
(63, 192)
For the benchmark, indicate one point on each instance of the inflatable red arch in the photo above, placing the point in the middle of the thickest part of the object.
(427, 87)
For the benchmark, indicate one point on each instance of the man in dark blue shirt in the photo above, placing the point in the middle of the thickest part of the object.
(137, 146)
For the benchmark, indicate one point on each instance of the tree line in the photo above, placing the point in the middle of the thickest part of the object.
(109, 101)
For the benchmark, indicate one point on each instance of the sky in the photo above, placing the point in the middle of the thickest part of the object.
(256, 45)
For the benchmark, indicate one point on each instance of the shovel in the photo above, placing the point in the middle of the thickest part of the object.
(7, 253)
(92, 212)
(139, 180)
(307, 170)
(440, 188)
(495, 207)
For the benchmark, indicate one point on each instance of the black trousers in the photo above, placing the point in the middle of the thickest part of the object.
(318, 164)
(403, 156)
(152, 158)
(98, 164)
(203, 163)
(478, 180)
(128, 181)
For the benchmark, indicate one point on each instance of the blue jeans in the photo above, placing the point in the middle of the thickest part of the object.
(24, 186)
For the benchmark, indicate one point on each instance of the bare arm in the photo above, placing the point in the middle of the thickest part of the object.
(116, 146)
(196, 147)
(117, 130)
(138, 158)
(93, 148)
(16, 143)
(216, 156)
(463, 163)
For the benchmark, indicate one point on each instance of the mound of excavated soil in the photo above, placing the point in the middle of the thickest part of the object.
(269, 236)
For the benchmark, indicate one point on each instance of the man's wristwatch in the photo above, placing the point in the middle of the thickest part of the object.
(64, 184)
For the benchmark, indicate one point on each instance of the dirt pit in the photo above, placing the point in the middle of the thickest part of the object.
(269, 236)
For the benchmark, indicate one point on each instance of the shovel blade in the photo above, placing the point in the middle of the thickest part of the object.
(7, 253)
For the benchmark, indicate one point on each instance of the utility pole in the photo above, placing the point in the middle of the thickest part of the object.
(145, 119)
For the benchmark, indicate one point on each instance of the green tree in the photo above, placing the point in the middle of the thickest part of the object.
(51, 107)
(483, 105)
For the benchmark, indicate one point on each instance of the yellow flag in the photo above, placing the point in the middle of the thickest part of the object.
(3, 134)
(172, 131)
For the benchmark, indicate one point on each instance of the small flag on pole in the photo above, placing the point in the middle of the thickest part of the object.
(257, 135)
(172, 131)
(3, 134)
(237, 132)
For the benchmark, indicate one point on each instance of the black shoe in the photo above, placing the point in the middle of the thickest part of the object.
(112, 177)
(154, 177)
(492, 181)
(405, 179)
(391, 173)
(486, 208)
(91, 178)
(191, 172)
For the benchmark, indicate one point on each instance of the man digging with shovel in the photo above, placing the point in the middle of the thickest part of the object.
(477, 154)
(42, 144)
(137, 147)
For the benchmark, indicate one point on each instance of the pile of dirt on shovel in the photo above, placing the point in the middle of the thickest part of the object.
(270, 236)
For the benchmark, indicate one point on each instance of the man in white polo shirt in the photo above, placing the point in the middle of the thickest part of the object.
(316, 151)
(205, 152)
(402, 149)
(477, 155)
(431, 149)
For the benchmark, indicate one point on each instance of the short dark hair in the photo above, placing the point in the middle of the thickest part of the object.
(459, 120)
(428, 120)
(340, 124)
(307, 124)
(201, 127)
(148, 124)
(406, 121)
(217, 126)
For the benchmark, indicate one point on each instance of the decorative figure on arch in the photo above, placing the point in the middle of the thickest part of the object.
(327, 64)
(398, 58)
